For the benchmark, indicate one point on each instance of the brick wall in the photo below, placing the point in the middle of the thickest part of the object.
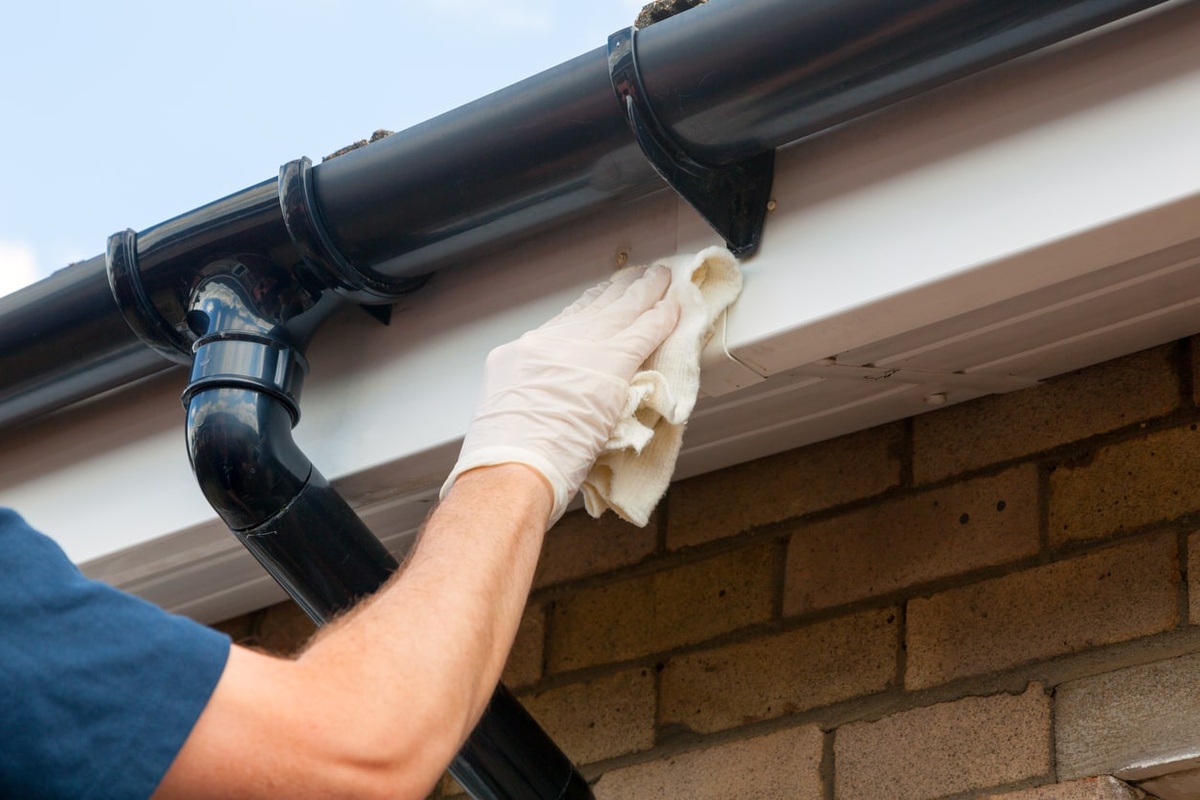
(990, 600)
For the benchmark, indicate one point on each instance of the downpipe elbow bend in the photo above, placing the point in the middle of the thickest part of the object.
(242, 452)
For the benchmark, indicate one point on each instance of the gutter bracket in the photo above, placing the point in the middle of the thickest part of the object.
(732, 198)
(125, 281)
(302, 217)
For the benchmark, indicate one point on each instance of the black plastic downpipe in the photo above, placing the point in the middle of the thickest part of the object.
(242, 402)
(726, 80)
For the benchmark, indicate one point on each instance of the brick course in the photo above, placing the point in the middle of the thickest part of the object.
(656, 612)
(782, 674)
(912, 540)
(778, 487)
(1100, 598)
(972, 743)
(786, 764)
(579, 546)
(1126, 485)
(1193, 573)
(1063, 409)
(599, 719)
(524, 665)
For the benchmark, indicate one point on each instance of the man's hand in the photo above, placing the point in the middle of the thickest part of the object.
(552, 397)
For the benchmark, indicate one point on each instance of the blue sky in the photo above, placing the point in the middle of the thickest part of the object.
(121, 115)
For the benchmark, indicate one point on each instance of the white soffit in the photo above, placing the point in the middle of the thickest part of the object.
(1029, 221)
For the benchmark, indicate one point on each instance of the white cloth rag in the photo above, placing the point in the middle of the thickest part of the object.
(633, 470)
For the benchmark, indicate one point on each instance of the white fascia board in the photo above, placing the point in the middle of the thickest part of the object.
(1016, 180)
(918, 243)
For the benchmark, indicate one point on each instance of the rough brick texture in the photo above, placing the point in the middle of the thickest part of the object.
(1126, 485)
(602, 718)
(786, 764)
(656, 612)
(782, 674)
(1070, 407)
(579, 546)
(973, 743)
(1194, 348)
(1108, 596)
(911, 540)
(1113, 721)
(783, 486)
(524, 664)
(1193, 573)
(1102, 788)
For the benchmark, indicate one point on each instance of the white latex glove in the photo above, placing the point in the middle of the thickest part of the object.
(551, 398)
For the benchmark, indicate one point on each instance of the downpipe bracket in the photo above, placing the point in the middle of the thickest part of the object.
(732, 198)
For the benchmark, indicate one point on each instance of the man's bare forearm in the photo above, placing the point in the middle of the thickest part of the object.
(383, 698)
(453, 612)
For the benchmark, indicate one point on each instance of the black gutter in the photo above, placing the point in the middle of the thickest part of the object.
(728, 80)
(62, 340)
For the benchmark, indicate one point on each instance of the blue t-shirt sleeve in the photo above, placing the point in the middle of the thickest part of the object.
(98, 689)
